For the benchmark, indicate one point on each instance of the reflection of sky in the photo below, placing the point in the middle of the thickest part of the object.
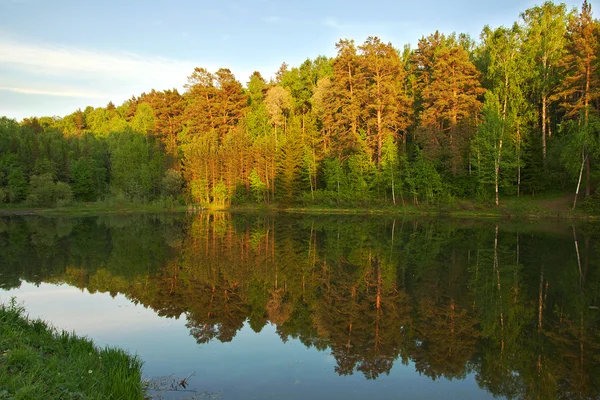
(252, 366)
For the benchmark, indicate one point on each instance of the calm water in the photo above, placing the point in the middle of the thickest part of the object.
(270, 307)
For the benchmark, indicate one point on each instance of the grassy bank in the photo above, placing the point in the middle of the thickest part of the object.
(548, 207)
(83, 209)
(39, 362)
(557, 206)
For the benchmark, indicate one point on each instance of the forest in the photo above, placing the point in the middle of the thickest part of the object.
(515, 113)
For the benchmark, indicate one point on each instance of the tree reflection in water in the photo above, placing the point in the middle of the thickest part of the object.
(514, 304)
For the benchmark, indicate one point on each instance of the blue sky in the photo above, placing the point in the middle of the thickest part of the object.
(60, 55)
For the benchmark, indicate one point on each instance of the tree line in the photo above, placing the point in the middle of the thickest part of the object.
(514, 113)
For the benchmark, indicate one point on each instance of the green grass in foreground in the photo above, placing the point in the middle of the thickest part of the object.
(39, 362)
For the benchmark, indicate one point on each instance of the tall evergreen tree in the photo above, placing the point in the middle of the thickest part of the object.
(386, 108)
(581, 84)
(168, 107)
(341, 101)
(450, 87)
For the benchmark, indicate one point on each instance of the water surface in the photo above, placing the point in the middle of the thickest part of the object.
(324, 307)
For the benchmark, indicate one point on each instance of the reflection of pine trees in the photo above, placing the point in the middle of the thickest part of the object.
(216, 311)
(446, 337)
(278, 309)
(453, 298)
(360, 316)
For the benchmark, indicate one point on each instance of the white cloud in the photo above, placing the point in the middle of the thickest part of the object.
(81, 77)
(58, 93)
(91, 64)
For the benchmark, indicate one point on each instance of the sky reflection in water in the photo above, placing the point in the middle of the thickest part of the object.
(253, 365)
(336, 300)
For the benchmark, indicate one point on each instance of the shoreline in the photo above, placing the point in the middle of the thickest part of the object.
(551, 208)
(38, 360)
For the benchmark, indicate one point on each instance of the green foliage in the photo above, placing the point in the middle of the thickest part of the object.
(220, 194)
(41, 191)
(357, 178)
(103, 121)
(16, 185)
(44, 192)
(592, 205)
(257, 121)
(45, 166)
(491, 147)
(334, 174)
(171, 183)
(579, 142)
(87, 179)
(257, 187)
(62, 194)
(137, 166)
(423, 180)
(336, 129)
(144, 121)
(199, 191)
(290, 163)
(390, 169)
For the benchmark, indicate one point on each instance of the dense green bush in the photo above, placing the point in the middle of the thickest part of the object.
(44, 192)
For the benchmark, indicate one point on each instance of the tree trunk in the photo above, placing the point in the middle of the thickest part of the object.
(313, 178)
(578, 256)
(544, 100)
(273, 178)
(588, 169)
(353, 116)
(518, 160)
(312, 192)
(379, 137)
(579, 180)
(497, 171)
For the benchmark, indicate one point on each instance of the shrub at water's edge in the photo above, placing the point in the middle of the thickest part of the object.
(37, 361)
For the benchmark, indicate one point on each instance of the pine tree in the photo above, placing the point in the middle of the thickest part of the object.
(341, 101)
(449, 90)
(231, 101)
(200, 113)
(386, 108)
(168, 107)
(289, 164)
(581, 84)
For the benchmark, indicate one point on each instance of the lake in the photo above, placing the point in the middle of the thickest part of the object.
(248, 306)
